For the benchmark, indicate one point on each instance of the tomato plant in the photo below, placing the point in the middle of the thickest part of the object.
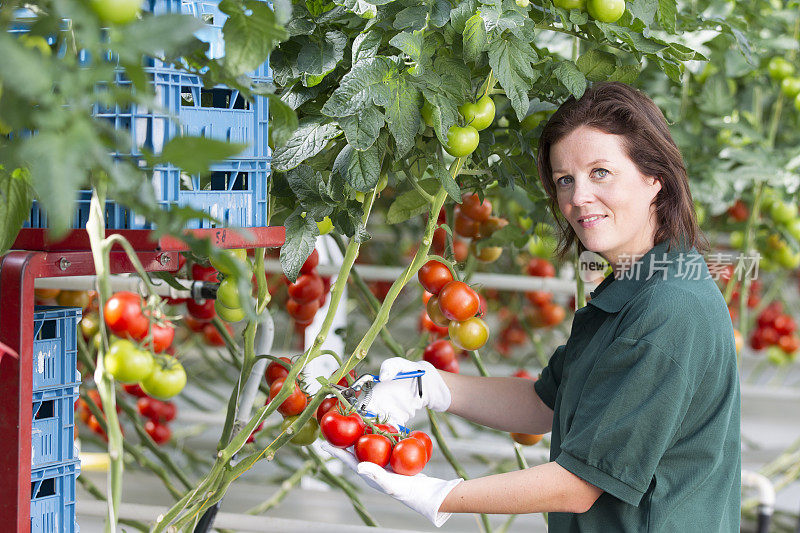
(475, 208)
(116, 11)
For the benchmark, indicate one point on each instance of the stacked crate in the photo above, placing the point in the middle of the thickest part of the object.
(55, 381)
(236, 190)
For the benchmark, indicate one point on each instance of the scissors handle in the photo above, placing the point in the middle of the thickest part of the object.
(406, 375)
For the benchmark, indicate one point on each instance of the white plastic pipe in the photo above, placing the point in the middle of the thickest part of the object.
(118, 283)
(766, 492)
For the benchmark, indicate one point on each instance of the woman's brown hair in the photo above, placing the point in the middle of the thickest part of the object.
(619, 109)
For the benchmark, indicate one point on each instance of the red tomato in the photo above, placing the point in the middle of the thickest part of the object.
(789, 343)
(541, 268)
(163, 335)
(784, 324)
(204, 273)
(294, 404)
(521, 373)
(453, 367)
(739, 211)
(426, 441)
(344, 381)
(326, 405)
(341, 430)
(156, 409)
(168, 411)
(302, 313)
(276, 371)
(374, 449)
(158, 432)
(439, 241)
(307, 288)
(433, 276)
(213, 336)
(460, 250)
(201, 311)
(408, 457)
(458, 301)
(123, 315)
(475, 209)
(439, 353)
(426, 324)
(426, 296)
(769, 314)
(514, 335)
(769, 335)
(756, 341)
(134, 390)
(466, 227)
(194, 324)
(539, 298)
(311, 263)
(80, 299)
(94, 425)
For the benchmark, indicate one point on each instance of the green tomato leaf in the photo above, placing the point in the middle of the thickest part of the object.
(596, 65)
(625, 74)
(23, 70)
(305, 184)
(570, 77)
(414, 17)
(439, 13)
(301, 235)
(401, 102)
(511, 58)
(363, 85)
(361, 8)
(411, 203)
(249, 35)
(284, 120)
(320, 56)
(474, 38)
(361, 169)
(461, 13)
(366, 44)
(362, 129)
(441, 173)
(667, 14)
(410, 43)
(15, 204)
(644, 10)
(310, 137)
(195, 154)
(153, 35)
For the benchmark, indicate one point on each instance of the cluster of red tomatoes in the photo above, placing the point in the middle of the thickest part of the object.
(157, 413)
(777, 332)
(473, 220)
(382, 444)
(544, 313)
(308, 293)
(298, 399)
(87, 417)
(136, 355)
(453, 304)
(512, 335)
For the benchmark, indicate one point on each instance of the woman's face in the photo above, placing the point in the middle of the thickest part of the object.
(602, 194)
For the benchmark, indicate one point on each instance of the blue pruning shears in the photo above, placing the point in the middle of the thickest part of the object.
(359, 392)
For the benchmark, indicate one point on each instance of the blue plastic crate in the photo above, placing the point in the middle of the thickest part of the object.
(55, 352)
(53, 498)
(53, 427)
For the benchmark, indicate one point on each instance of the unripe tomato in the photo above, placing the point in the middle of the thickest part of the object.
(461, 141)
(166, 380)
(790, 87)
(487, 254)
(127, 362)
(229, 314)
(294, 404)
(777, 356)
(480, 114)
(116, 11)
(306, 435)
(434, 275)
(373, 448)
(427, 113)
(534, 119)
(408, 457)
(491, 225)
(90, 325)
(307, 288)
(228, 293)
(470, 334)
(570, 4)
(46, 294)
(235, 254)
(458, 301)
(439, 353)
(783, 212)
(474, 208)
(276, 371)
(435, 313)
(606, 10)
(426, 324)
(797, 102)
(74, 299)
(779, 68)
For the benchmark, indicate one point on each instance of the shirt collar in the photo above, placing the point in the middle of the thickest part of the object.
(612, 294)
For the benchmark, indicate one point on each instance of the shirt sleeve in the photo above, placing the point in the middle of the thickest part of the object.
(547, 385)
(629, 413)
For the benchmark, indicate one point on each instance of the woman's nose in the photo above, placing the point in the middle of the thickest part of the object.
(581, 193)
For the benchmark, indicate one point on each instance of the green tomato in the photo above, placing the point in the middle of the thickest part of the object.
(427, 113)
(36, 42)
(166, 380)
(116, 11)
(542, 246)
(783, 212)
(790, 87)
(127, 362)
(777, 356)
(523, 3)
(786, 258)
(534, 119)
(737, 239)
(479, 115)
(779, 68)
(525, 223)
(606, 10)
(307, 434)
(570, 4)
(228, 293)
(325, 225)
(461, 141)
(229, 314)
(794, 229)
(700, 213)
(236, 254)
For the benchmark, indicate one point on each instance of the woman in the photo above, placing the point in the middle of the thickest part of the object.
(643, 399)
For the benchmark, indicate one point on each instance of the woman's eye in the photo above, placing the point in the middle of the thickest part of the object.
(601, 172)
(563, 181)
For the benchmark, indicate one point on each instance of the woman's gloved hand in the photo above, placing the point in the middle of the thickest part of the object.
(398, 399)
(421, 493)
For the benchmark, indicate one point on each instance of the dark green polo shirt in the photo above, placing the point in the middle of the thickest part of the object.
(645, 399)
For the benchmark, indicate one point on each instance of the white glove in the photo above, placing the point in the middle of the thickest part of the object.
(421, 493)
(399, 399)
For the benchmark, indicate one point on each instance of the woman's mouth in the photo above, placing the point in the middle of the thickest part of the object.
(590, 221)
